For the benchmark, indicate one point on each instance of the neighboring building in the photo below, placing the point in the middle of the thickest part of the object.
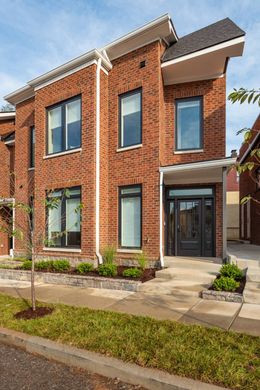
(232, 203)
(249, 184)
(136, 131)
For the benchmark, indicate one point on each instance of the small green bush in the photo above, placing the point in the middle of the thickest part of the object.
(225, 284)
(60, 265)
(231, 271)
(109, 253)
(107, 269)
(142, 260)
(132, 273)
(44, 265)
(27, 264)
(84, 268)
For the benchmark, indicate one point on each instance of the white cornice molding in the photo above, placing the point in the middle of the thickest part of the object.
(7, 115)
(221, 163)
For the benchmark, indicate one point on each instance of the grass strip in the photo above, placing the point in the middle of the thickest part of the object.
(211, 355)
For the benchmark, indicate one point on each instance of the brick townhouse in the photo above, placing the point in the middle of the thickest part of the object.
(249, 184)
(136, 131)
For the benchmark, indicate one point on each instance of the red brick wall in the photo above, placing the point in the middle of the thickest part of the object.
(232, 180)
(214, 128)
(6, 167)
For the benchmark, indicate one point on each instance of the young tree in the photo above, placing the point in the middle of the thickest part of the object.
(252, 96)
(17, 221)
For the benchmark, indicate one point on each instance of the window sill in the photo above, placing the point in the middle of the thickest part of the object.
(188, 151)
(129, 251)
(71, 250)
(62, 153)
(129, 148)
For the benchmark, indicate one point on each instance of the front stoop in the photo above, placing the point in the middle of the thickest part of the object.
(183, 276)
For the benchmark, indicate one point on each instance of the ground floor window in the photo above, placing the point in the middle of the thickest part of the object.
(130, 216)
(64, 218)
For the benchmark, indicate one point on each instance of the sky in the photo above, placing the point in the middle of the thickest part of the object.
(37, 36)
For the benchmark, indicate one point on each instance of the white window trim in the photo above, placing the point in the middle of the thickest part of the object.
(57, 249)
(124, 149)
(188, 151)
(129, 250)
(62, 153)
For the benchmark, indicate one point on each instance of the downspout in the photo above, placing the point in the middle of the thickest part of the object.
(13, 238)
(100, 260)
(224, 212)
(161, 220)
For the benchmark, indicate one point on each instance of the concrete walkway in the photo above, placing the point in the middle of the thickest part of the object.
(188, 309)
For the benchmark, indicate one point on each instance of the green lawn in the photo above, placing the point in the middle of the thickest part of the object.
(210, 355)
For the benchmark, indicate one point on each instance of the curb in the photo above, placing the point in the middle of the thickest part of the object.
(107, 366)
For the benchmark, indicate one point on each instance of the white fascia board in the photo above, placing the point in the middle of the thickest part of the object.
(10, 143)
(249, 148)
(7, 115)
(211, 49)
(139, 31)
(225, 162)
(20, 95)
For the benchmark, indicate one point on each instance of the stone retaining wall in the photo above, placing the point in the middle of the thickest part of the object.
(71, 280)
(222, 296)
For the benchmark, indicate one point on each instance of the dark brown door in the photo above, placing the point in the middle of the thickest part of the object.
(189, 227)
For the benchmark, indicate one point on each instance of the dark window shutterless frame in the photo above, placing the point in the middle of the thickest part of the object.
(63, 215)
(121, 196)
(32, 147)
(177, 101)
(62, 105)
(120, 99)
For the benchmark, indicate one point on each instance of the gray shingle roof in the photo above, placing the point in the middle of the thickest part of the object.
(215, 33)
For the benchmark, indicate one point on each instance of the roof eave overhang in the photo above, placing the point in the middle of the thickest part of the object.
(7, 115)
(160, 28)
(209, 63)
(221, 163)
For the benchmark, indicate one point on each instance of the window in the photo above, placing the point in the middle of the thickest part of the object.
(130, 109)
(64, 219)
(64, 126)
(130, 216)
(32, 146)
(191, 192)
(189, 114)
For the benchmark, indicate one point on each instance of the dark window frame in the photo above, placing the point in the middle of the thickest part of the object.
(32, 146)
(188, 99)
(63, 104)
(63, 212)
(130, 195)
(120, 98)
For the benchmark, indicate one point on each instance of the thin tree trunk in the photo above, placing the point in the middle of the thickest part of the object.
(32, 283)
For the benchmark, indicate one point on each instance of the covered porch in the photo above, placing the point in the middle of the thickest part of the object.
(193, 209)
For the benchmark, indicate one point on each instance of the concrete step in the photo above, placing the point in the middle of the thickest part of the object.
(186, 274)
(252, 293)
(173, 287)
(253, 275)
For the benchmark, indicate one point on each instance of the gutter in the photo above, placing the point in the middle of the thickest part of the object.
(98, 254)
(161, 220)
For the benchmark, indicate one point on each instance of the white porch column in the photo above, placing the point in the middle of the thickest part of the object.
(224, 208)
(161, 220)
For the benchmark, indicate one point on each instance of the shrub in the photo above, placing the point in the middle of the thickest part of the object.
(107, 269)
(43, 265)
(27, 264)
(231, 271)
(225, 284)
(60, 265)
(132, 273)
(109, 253)
(142, 260)
(84, 268)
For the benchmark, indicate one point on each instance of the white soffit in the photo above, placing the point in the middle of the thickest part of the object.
(160, 28)
(7, 115)
(204, 64)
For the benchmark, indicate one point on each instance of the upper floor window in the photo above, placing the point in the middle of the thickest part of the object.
(64, 126)
(130, 109)
(189, 121)
(32, 147)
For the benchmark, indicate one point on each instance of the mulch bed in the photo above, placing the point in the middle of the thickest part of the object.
(148, 274)
(239, 289)
(29, 314)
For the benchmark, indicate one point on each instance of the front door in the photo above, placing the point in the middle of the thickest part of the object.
(190, 222)
(189, 227)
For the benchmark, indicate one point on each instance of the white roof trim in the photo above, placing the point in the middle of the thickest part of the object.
(12, 142)
(204, 51)
(7, 115)
(222, 163)
(249, 148)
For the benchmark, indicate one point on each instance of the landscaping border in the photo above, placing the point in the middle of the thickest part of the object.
(83, 281)
(222, 296)
(107, 366)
